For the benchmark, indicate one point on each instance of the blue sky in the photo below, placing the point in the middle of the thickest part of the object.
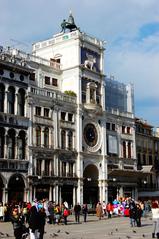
(130, 28)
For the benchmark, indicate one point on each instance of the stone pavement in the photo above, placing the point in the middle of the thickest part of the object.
(115, 228)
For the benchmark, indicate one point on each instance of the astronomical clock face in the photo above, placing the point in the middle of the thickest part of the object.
(90, 135)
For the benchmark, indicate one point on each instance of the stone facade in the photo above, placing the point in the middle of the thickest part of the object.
(58, 138)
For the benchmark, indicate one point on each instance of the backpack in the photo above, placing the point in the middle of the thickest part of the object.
(66, 212)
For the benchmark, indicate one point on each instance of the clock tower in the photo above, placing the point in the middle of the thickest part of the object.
(82, 59)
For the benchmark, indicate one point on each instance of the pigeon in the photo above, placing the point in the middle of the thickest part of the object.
(58, 231)
(134, 231)
(55, 235)
(116, 229)
(67, 233)
(1, 233)
(143, 235)
(128, 237)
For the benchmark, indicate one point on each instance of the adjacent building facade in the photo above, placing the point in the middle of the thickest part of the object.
(66, 131)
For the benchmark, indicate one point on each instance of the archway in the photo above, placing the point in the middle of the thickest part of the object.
(16, 188)
(90, 185)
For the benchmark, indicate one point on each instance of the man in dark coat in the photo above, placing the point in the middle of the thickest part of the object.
(77, 210)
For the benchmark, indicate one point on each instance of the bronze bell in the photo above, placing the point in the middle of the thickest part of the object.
(71, 19)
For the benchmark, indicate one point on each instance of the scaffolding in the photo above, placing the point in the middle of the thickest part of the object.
(119, 96)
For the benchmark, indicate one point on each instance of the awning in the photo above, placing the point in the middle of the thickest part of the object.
(147, 169)
(127, 173)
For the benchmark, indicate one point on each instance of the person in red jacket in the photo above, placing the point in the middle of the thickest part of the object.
(109, 209)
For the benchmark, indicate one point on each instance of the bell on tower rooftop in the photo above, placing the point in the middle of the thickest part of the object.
(71, 19)
(70, 24)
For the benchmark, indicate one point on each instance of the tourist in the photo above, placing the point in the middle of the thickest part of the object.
(1, 212)
(17, 220)
(34, 223)
(77, 211)
(109, 209)
(155, 218)
(42, 220)
(132, 213)
(85, 211)
(139, 213)
(99, 210)
(66, 213)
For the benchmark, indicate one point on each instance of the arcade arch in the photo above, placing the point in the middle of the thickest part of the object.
(90, 185)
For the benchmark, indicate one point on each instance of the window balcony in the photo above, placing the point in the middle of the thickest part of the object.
(13, 120)
(13, 165)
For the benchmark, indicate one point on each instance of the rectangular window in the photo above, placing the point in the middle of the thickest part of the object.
(46, 112)
(64, 169)
(108, 126)
(54, 82)
(32, 76)
(71, 169)
(38, 111)
(128, 130)
(47, 167)
(112, 144)
(70, 117)
(38, 167)
(113, 127)
(63, 115)
(47, 80)
(123, 129)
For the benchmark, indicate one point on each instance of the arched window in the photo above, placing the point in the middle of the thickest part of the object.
(2, 142)
(21, 102)
(21, 145)
(129, 149)
(11, 144)
(38, 136)
(2, 94)
(63, 139)
(70, 140)
(11, 100)
(124, 149)
(46, 137)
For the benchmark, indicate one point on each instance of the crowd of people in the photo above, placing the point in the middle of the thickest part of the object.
(30, 218)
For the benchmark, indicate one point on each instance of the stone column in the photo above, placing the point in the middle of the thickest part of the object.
(42, 136)
(26, 195)
(16, 102)
(6, 100)
(16, 156)
(67, 168)
(120, 191)
(4, 195)
(26, 148)
(74, 195)
(43, 167)
(100, 190)
(59, 196)
(66, 146)
(54, 193)
(6, 143)
(50, 193)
